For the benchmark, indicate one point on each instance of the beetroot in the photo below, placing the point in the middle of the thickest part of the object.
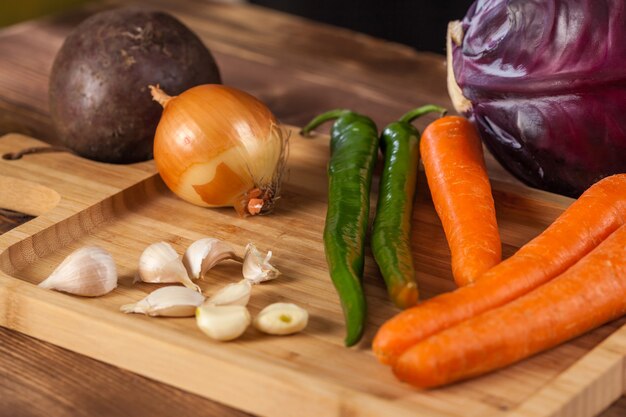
(99, 98)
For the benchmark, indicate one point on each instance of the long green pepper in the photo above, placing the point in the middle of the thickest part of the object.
(354, 150)
(391, 231)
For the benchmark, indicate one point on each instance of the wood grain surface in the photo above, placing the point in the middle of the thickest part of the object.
(299, 68)
(41, 379)
(125, 208)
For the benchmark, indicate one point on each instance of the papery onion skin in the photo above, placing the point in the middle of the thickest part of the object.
(547, 86)
(217, 146)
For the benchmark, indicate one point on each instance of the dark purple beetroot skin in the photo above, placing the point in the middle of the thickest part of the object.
(547, 83)
(99, 98)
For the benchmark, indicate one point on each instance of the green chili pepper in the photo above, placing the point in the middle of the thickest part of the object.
(354, 150)
(391, 232)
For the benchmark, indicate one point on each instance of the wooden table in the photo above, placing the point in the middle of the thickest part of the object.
(299, 68)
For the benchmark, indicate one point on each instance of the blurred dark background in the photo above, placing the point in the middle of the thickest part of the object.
(16, 11)
(416, 23)
(419, 24)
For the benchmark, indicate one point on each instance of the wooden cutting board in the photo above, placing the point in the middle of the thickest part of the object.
(125, 208)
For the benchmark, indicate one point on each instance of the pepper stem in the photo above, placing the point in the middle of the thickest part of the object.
(159, 95)
(420, 111)
(324, 117)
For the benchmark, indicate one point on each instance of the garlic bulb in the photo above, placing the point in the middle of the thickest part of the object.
(172, 301)
(159, 263)
(89, 271)
(204, 254)
(232, 294)
(222, 322)
(281, 319)
(256, 267)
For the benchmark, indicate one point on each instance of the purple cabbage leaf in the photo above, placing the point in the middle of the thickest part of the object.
(545, 83)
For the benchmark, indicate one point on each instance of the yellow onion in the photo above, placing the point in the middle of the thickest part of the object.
(216, 146)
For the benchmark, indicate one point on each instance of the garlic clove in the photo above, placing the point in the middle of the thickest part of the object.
(222, 322)
(204, 254)
(256, 267)
(159, 263)
(232, 294)
(172, 301)
(281, 319)
(89, 271)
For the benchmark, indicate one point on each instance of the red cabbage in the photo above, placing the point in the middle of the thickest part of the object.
(545, 83)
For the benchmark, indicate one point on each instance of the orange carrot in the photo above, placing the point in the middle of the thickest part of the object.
(597, 213)
(455, 169)
(589, 294)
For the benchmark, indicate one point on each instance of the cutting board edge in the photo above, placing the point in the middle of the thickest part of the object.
(15, 294)
(24, 308)
(584, 383)
(604, 366)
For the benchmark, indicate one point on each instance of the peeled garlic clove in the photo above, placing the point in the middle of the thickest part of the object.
(159, 263)
(170, 301)
(89, 271)
(281, 319)
(232, 294)
(204, 254)
(222, 322)
(256, 267)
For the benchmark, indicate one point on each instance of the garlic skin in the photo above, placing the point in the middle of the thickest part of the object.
(172, 301)
(281, 319)
(256, 267)
(159, 263)
(232, 294)
(89, 271)
(222, 323)
(204, 254)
